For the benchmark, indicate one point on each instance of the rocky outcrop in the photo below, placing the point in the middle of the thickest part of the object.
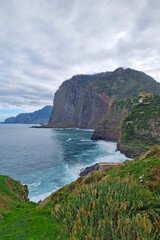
(84, 100)
(134, 123)
(97, 167)
(109, 127)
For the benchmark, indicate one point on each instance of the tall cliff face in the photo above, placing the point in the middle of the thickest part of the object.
(79, 105)
(84, 100)
(109, 126)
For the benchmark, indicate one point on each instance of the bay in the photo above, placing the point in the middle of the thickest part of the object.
(47, 159)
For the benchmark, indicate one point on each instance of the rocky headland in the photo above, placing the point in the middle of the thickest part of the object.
(103, 101)
(84, 100)
(134, 123)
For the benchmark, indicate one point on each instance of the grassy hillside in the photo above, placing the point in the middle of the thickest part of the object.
(134, 123)
(120, 203)
(125, 83)
(11, 193)
(141, 128)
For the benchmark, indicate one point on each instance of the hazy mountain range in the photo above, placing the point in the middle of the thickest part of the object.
(40, 116)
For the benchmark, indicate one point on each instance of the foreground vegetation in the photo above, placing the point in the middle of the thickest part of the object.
(120, 203)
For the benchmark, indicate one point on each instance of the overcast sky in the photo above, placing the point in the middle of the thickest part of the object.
(44, 42)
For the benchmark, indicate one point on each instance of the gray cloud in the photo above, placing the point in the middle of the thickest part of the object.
(42, 43)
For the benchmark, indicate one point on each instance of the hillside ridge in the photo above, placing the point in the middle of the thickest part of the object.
(40, 116)
(83, 100)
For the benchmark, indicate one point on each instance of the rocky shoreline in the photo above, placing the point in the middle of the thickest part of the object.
(96, 167)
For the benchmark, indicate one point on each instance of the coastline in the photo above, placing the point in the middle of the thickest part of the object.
(61, 154)
(97, 167)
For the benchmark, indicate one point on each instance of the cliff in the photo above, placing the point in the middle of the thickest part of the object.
(83, 100)
(109, 126)
(40, 116)
(77, 104)
(141, 128)
(134, 123)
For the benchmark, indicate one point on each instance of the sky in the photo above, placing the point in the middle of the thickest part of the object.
(44, 42)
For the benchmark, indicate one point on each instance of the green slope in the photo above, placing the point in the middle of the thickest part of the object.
(121, 203)
(141, 128)
(134, 123)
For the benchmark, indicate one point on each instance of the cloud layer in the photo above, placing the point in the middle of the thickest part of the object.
(42, 43)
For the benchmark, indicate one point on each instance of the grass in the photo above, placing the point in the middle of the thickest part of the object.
(120, 203)
(141, 128)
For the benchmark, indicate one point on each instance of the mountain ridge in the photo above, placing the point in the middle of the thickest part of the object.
(83, 100)
(40, 116)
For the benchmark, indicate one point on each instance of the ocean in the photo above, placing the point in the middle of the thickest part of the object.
(47, 159)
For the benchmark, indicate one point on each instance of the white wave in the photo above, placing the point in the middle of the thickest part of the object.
(85, 140)
(35, 184)
(69, 139)
(115, 158)
(110, 147)
(85, 130)
(41, 197)
(81, 129)
(70, 174)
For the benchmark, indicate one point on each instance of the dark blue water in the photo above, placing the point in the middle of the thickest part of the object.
(47, 159)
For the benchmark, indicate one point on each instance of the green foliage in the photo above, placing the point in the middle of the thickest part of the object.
(108, 210)
(124, 84)
(141, 128)
(11, 193)
(122, 203)
(26, 222)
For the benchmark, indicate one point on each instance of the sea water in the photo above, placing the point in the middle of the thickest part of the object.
(47, 159)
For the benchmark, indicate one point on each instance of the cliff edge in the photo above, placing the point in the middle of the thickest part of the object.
(84, 100)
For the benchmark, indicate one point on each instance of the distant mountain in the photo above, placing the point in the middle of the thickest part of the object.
(84, 100)
(39, 117)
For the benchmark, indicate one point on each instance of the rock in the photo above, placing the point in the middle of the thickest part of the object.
(97, 167)
(84, 100)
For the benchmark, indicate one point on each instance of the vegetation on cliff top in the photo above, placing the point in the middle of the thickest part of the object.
(134, 122)
(83, 100)
(120, 203)
(141, 128)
